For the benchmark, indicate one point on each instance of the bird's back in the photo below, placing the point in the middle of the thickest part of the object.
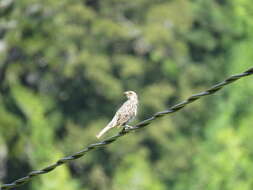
(126, 112)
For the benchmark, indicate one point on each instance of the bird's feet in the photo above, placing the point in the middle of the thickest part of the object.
(126, 127)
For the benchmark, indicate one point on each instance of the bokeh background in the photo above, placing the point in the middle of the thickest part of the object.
(64, 66)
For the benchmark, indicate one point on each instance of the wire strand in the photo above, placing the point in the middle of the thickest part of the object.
(125, 131)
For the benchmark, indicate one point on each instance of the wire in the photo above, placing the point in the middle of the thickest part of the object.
(125, 131)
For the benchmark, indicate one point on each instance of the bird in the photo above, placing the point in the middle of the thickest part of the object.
(126, 113)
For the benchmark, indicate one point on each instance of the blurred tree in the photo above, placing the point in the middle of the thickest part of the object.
(65, 64)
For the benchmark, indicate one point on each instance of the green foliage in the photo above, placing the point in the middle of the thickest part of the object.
(135, 173)
(65, 64)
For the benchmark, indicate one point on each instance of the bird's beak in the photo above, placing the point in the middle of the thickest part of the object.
(125, 93)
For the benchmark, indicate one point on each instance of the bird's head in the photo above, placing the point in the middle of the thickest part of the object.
(130, 94)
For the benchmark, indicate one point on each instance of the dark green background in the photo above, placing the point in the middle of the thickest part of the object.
(64, 65)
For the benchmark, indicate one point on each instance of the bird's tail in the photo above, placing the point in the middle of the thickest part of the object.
(107, 128)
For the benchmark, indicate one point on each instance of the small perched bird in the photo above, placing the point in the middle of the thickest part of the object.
(125, 114)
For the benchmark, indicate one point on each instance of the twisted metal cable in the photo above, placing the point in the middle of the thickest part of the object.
(125, 131)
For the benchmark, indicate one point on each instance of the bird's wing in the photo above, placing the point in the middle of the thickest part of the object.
(124, 114)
